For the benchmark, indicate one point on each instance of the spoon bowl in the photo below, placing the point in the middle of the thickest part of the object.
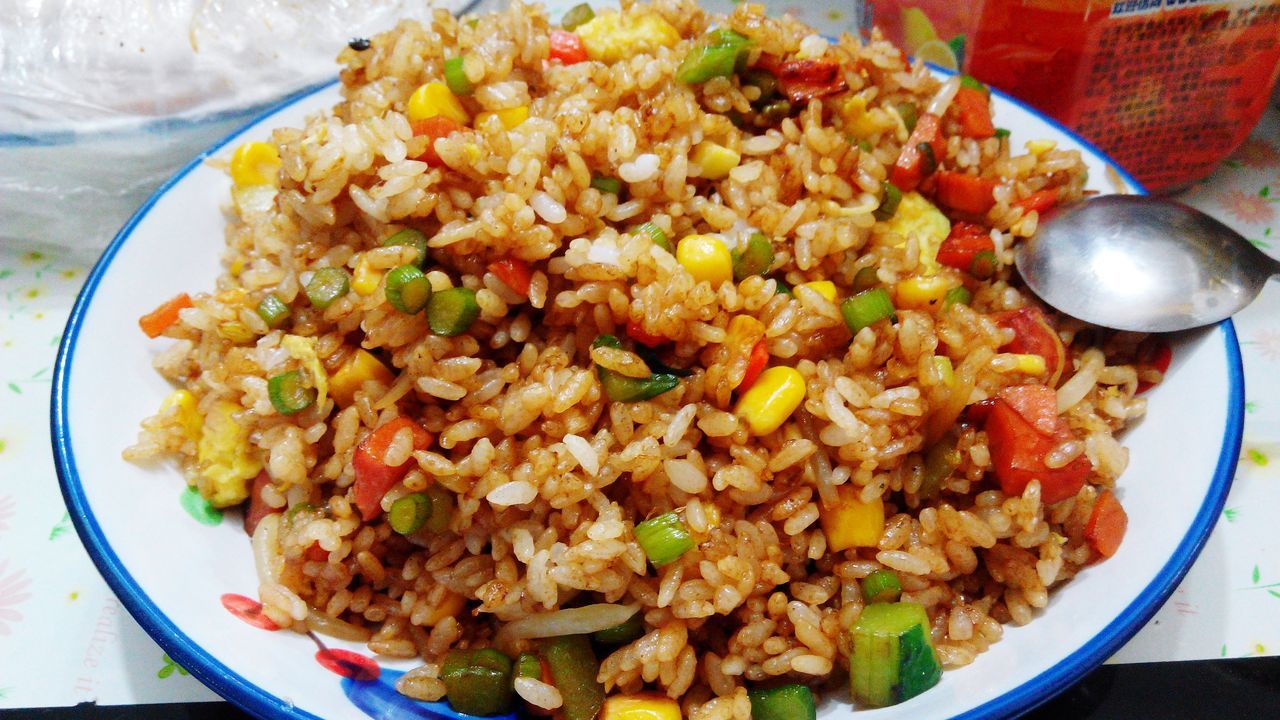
(1133, 262)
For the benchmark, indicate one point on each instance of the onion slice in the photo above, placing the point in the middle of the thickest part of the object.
(571, 621)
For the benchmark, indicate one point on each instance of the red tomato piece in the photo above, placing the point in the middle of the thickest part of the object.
(1022, 427)
(755, 365)
(636, 331)
(973, 109)
(258, 508)
(1032, 334)
(1160, 358)
(964, 242)
(434, 128)
(1105, 529)
(966, 193)
(514, 273)
(567, 47)
(915, 164)
(315, 553)
(157, 321)
(1040, 200)
(373, 476)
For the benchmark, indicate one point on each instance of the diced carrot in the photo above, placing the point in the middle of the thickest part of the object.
(567, 47)
(1023, 426)
(636, 332)
(915, 163)
(1033, 334)
(973, 109)
(258, 508)
(514, 273)
(374, 477)
(966, 193)
(964, 242)
(755, 365)
(1106, 525)
(157, 321)
(434, 128)
(1040, 200)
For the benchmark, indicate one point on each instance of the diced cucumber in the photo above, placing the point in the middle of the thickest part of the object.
(893, 658)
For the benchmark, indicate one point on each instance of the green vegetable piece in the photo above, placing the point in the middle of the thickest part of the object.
(451, 312)
(528, 666)
(893, 657)
(865, 145)
(881, 586)
(441, 508)
(782, 289)
(574, 668)
(909, 113)
(867, 278)
(273, 311)
(929, 161)
(1002, 132)
(606, 341)
(865, 308)
(621, 388)
(974, 83)
(719, 54)
(955, 295)
(783, 702)
(478, 681)
(755, 259)
(409, 513)
(456, 77)
(940, 461)
(984, 265)
(293, 512)
(413, 239)
(655, 234)
(577, 15)
(956, 43)
(891, 198)
(327, 285)
(764, 80)
(664, 538)
(775, 112)
(408, 289)
(621, 634)
(289, 394)
(607, 184)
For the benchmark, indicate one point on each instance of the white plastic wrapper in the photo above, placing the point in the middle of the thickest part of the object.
(102, 100)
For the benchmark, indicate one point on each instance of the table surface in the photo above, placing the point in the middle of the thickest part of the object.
(91, 651)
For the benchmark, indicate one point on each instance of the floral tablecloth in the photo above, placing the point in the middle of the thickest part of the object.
(65, 639)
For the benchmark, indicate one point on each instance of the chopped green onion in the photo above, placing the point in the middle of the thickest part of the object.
(664, 538)
(574, 669)
(782, 289)
(777, 111)
(408, 290)
(764, 80)
(409, 513)
(327, 285)
(939, 462)
(620, 388)
(720, 53)
(893, 657)
(528, 666)
(984, 265)
(609, 185)
(881, 586)
(783, 702)
(909, 113)
(655, 234)
(1002, 132)
(865, 145)
(929, 161)
(973, 83)
(892, 197)
(292, 512)
(606, 341)
(441, 508)
(755, 259)
(865, 308)
(273, 311)
(288, 393)
(620, 634)
(456, 77)
(413, 239)
(477, 681)
(867, 278)
(577, 15)
(451, 312)
(955, 295)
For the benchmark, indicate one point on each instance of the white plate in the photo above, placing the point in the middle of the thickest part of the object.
(170, 571)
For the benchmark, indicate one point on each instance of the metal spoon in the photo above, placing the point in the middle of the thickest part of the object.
(1140, 263)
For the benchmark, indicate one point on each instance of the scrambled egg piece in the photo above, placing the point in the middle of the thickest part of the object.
(610, 37)
(183, 404)
(226, 460)
(918, 218)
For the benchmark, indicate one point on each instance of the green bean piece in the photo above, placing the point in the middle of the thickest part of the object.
(889, 202)
(867, 278)
(574, 669)
(622, 633)
(909, 113)
(720, 53)
(289, 394)
(456, 77)
(273, 311)
(477, 681)
(441, 508)
(413, 239)
(451, 312)
(866, 308)
(783, 702)
(955, 295)
(755, 259)
(409, 513)
(528, 666)
(609, 185)
(664, 538)
(881, 586)
(408, 289)
(327, 285)
(577, 15)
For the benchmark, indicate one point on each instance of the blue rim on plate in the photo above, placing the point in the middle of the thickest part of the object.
(235, 688)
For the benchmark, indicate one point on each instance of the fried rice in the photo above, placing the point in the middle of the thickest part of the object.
(547, 477)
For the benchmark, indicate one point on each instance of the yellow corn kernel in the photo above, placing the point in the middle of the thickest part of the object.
(183, 404)
(433, 99)
(611, 36)
(771, 400)
(365, 279)
(942, 364)
(255, 163)
(225, 457)
(1040, 147)
(359, 367)
(450, 607)
(510, 117)
(919, 293)
(850, 522)
(235, 331)
(825, 288)
(1030, 364)
(644, 706)
(237, 266)
(921, 219)
(864, 123)
(706, 257)
(714, 161)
